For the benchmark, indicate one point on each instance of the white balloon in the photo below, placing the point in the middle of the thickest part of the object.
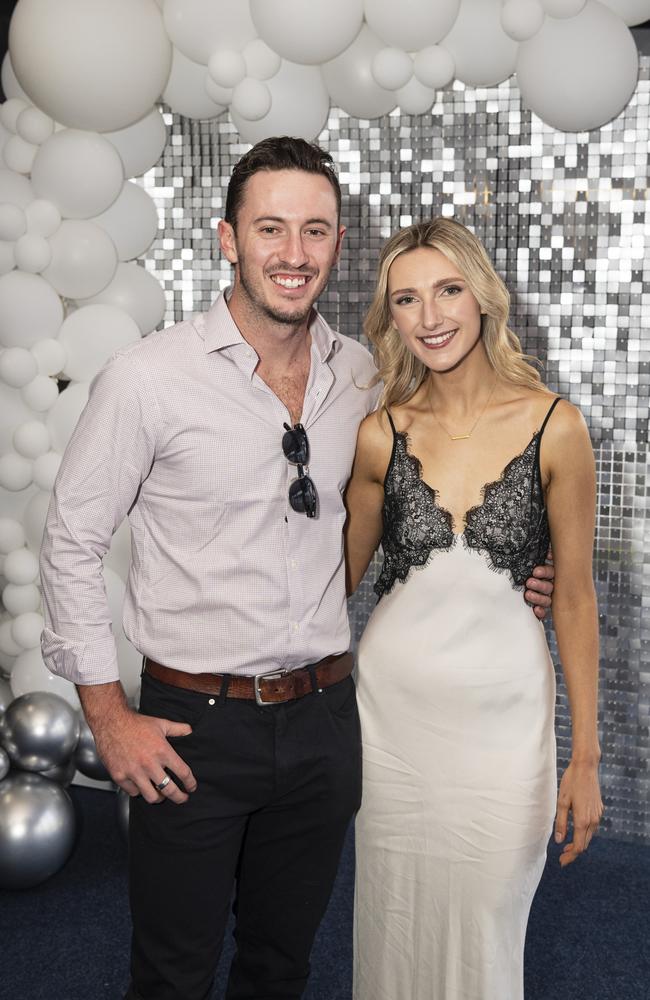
(484, 55)
(9, 112)
(299, 105)
(521, 19)
(261, 61)
(13, 411)
(30, 309)
(34, 518)
(7, 259)
(29, 673)
(415, 98)
(32, 253)
(17, 366)
(434, 67)
(31, 439)
(26, 629)
(43, 217)
(18, 600)
(21, 567)
(630, 11)
(62, 418)
(578, 73)
(392, 68)
(15, 472)
(8, 644)
(91, 335)
(135, 291)
(50, 356)
(185, 92)
(12, 222)
(410, 24)
(131, 222)
(140, 145)
(198, 27)
(41, 393)
(10, 84)
(19, 155)
(220, 95)
(65, 57)
(311, 32)
(563, 8)
(227, 67)
(350, 82)
(12, 535)
(81, 172)
(34, 126)
(251, 99)
(45, 470)
(84, 259)
(15, 189)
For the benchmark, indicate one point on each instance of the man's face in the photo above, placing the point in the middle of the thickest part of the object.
(286, 241)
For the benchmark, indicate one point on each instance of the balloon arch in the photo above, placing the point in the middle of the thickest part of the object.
(83, 79)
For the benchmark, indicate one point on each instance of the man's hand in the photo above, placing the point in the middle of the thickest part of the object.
(134, 747)
(539, 587)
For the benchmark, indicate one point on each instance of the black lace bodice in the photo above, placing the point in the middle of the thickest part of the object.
(509, 526)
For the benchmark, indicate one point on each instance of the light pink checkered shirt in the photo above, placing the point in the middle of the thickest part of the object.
(182, 436)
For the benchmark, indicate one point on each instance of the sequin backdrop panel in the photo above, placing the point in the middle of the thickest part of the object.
(565, 218)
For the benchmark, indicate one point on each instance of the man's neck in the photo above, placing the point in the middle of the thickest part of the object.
(277, 345)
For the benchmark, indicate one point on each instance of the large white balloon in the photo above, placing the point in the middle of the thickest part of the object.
(434, 66)
(10, 85)
(392, 68)
(62, 418)
(299, 105)
(15, 472)
(34, 126)
(410, 24)
(29, 673)
(350, 82)
(578, 73)
(311, 32)
(19, 155)
(17, 366)
(49, 355)
(97, 65)
(415, 98)
(631, 11)
(484, 55)
(198, 27)
(135, 291)
(91, 335)
(12, 535)
(140, 145)
(26, 629)
(31, 439)
(32, 253)
(227, 67)
(30, 309)
(261, 61)
(251, 99)
(43, 218)
(41, 393)
(84, 259)
(131, 222)
(20, 599)
(21, 567)
(81, 172)
(185, 92)
(13, 222)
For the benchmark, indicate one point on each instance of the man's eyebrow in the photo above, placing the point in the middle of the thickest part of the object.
(278, 218)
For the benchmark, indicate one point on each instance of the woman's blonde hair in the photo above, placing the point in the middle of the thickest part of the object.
(400, 371)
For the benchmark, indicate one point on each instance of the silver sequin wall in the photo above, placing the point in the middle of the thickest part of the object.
(565, 217)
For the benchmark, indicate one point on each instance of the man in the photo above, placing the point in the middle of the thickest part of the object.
(228, 441)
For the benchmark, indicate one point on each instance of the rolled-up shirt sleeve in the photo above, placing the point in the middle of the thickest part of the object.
(109, 455)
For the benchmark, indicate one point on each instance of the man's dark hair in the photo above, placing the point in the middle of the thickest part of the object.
(279, 153)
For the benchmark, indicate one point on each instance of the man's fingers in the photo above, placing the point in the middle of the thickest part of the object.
(176, 728)
(182, 771)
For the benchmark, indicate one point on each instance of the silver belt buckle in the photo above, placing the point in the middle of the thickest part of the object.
(272, 675)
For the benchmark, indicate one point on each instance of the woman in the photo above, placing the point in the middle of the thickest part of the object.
(462, 475)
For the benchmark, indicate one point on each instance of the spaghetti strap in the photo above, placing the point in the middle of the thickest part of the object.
(548, 414)
(390, 421)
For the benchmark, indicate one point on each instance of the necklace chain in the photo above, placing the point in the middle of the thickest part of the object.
(463, 437)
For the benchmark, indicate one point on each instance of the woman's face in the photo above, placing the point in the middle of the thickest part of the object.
(436, 314)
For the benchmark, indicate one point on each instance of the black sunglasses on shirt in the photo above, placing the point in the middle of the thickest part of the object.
(302, 492)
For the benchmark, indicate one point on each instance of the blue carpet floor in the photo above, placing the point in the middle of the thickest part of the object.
(68, 939)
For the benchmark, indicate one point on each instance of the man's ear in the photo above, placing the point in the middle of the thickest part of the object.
(339, 243)
(227, 241)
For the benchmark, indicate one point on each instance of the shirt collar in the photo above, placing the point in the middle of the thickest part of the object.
(219, 330)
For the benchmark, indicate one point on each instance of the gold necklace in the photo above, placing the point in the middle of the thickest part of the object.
(463, 437)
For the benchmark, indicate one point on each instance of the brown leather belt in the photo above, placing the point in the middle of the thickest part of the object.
(266, 689)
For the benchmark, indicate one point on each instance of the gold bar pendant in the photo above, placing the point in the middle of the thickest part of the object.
(459, 437)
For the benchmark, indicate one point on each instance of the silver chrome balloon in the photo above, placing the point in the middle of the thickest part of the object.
(86, 757)
(39, 730)
(5, 763)
(61, 773)
(6, 695)
(37, 830)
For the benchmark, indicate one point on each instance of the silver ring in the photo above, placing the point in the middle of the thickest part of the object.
(163, 784)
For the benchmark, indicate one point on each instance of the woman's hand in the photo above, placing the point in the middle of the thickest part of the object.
(579, 794)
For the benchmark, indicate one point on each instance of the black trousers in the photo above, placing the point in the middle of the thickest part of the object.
(277, 787)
